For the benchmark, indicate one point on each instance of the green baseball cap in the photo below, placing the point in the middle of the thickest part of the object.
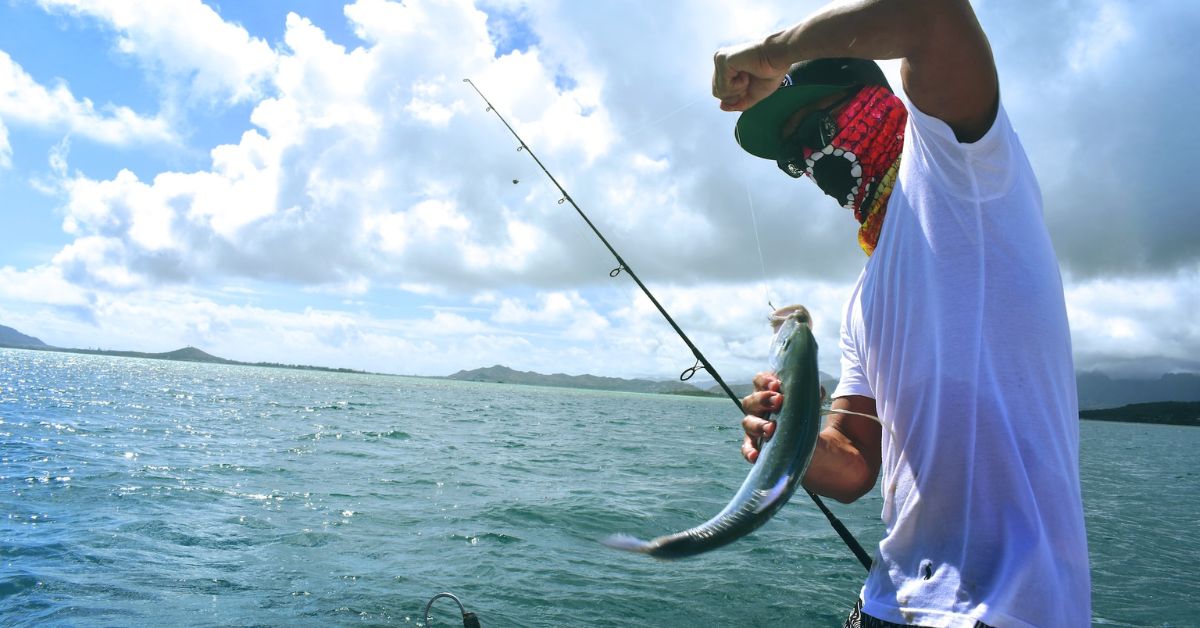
(757, 129)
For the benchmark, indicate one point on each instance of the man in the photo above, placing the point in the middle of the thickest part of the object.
(955, 335)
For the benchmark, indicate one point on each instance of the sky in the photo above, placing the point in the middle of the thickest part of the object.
(312, 182)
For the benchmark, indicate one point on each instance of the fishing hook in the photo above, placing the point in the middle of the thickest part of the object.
(701, 361)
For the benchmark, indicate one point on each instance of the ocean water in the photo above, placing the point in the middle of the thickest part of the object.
(137, 492)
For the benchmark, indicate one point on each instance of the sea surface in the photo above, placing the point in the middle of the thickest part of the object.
(149, 493)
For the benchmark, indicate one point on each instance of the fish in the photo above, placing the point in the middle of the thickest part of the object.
(781, 462)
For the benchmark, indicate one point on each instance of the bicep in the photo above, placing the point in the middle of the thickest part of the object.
(950, 73)
(863, 433)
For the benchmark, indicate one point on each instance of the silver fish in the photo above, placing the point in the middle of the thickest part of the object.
(781, 462)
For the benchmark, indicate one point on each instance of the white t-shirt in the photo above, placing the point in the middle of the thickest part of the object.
(958, 329)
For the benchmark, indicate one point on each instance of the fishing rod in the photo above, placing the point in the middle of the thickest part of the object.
(701, 361)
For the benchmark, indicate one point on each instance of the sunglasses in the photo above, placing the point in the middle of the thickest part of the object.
(814, 133)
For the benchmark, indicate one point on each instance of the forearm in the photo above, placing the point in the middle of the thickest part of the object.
(946, 62)
(837, 471)
(866, 29)
(846, 461)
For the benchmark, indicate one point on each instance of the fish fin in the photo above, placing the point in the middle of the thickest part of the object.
(627, 543)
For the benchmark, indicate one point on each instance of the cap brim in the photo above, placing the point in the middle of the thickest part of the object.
(758, 128)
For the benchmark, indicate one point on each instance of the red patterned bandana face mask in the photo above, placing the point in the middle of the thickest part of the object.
(852, 156)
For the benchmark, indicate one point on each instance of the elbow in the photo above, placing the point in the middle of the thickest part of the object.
(865, 482)
(845, 465)
(858, 480)
(846, 487)
(850, 493)
(850, 497)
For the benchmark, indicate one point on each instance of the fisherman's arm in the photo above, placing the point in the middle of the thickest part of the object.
(846, 460)
(947, 64)
(845, 463)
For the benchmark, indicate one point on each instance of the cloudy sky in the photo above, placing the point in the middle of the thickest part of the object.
(304, 181)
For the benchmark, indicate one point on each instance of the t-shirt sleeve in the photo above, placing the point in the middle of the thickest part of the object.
(980, 170)
(853, 380)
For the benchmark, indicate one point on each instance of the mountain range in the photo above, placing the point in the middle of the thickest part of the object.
(10, 337)
(13, 339)
(503, 375)
(1096, 390)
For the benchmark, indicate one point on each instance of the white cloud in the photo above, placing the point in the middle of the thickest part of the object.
(412, 181)
(57, 157)
(5, 147)
(567, 312)
(440, 343)
(43, 285)
(1103, 36)
(423, 289)
(426, 220)
(1118, 322)
(617, 332)
(352, 287)
(428, 105)
(728, 323)
(97, 261)
(357, 165)
(1095, 91)
(372, 168)
(24, 101)
(645, 163)
(320, 86)
(186, 42)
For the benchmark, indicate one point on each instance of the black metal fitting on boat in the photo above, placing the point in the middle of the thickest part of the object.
(469, 618)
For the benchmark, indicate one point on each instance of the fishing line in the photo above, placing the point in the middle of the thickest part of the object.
(757, 240)
(754, 221)
(651, 123)
(701, 361)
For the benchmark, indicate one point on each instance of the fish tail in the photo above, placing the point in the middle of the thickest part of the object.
(628, 543)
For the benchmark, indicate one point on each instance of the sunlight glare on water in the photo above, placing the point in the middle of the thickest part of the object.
(143, 492)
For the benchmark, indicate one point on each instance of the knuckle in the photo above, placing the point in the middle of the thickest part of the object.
(763, 380)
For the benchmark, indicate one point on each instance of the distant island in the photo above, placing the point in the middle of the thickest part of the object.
(1172, 399)
(10, 337)
(13, 339)
(503, 375)
(1098, 390)
(1161, 412)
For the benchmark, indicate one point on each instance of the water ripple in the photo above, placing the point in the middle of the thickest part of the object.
(141, 492)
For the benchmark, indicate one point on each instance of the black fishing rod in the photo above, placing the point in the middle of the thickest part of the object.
(701, 361)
